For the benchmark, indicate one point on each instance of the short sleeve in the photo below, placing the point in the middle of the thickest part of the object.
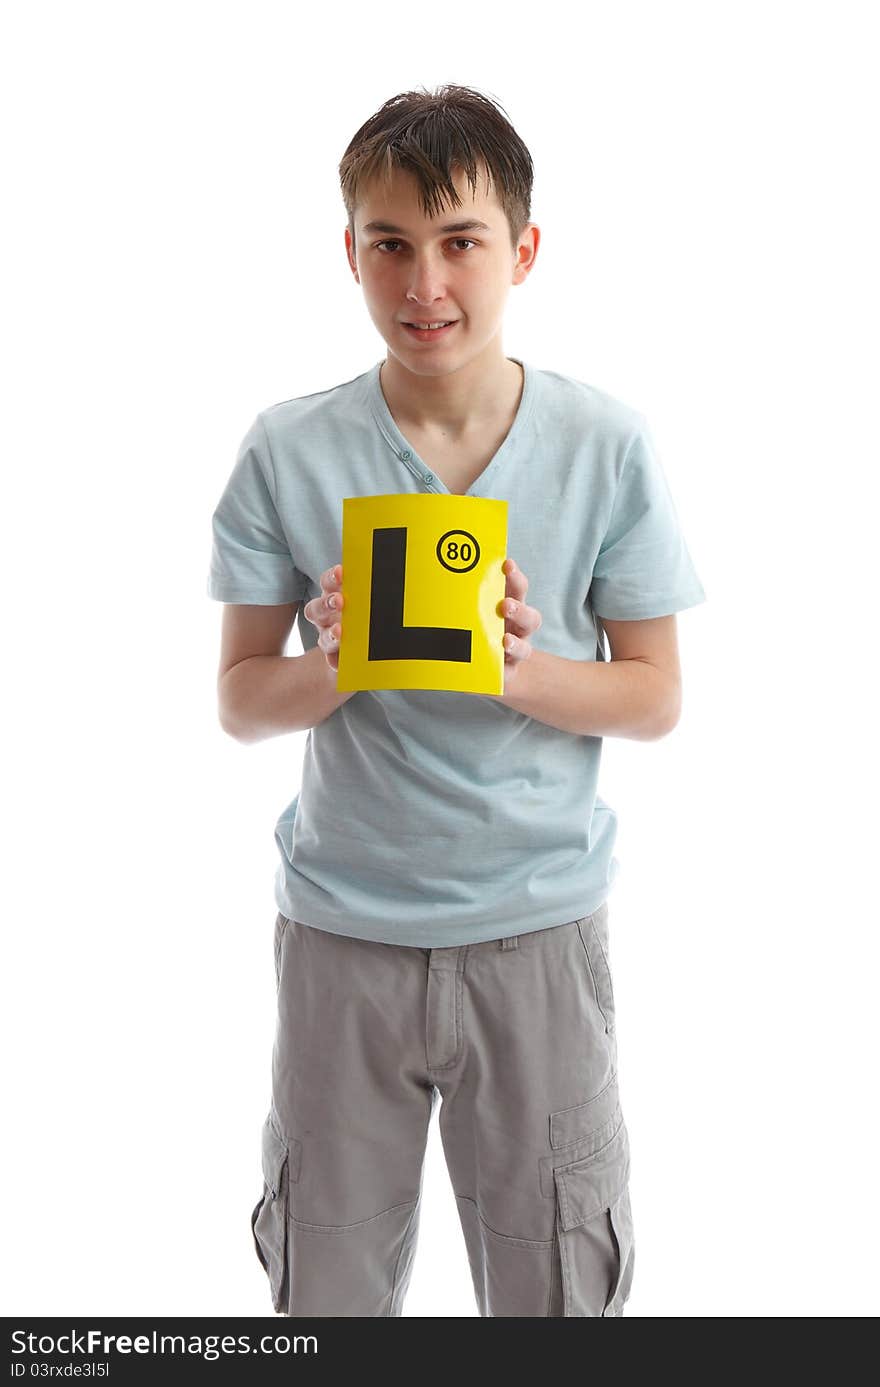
(250, 556)
(643, 568)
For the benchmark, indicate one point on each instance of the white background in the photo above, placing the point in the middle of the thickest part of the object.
(175, 263)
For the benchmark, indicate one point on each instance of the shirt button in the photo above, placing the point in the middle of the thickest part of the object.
(429, 476)
(406, 455)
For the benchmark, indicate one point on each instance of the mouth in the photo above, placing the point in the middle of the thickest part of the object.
(429, 334)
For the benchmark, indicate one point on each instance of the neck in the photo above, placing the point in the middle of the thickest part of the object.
(455, 404)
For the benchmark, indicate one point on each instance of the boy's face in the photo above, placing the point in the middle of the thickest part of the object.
(435, 269)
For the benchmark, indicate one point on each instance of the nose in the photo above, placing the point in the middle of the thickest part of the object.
(426, 284)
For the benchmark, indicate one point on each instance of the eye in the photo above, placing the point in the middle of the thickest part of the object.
(459, 240)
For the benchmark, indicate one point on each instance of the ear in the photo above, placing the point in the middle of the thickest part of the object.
(350, 254)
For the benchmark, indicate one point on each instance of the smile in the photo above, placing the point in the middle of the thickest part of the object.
(429, 334)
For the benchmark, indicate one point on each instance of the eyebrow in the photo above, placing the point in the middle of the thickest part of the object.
(450, 226)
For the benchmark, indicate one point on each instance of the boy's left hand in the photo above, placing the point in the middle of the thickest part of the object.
(520, 620)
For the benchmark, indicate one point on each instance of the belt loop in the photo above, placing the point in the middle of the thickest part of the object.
(511, 942)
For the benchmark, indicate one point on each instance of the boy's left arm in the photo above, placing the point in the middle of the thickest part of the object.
(637, 694)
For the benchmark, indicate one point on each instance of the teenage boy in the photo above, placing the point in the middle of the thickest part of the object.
(442, 927)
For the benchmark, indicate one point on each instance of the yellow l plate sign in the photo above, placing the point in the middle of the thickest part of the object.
(422, 584)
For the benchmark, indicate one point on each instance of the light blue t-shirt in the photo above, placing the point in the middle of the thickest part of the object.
(434, 818)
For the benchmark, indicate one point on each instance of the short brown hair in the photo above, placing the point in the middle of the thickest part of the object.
(431, 134)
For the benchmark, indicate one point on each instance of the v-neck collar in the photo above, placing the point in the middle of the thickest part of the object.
(407, 454)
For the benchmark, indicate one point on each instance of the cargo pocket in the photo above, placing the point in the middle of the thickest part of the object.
(269, 1218)
(595, 1231)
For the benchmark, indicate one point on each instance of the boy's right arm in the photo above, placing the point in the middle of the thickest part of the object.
(261, 691)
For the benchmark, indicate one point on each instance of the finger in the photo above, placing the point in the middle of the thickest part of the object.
(318, 613)
(516, 649)
(517, 582)
(321, 610)
(530, 620)
(520, 618)
(332, 605)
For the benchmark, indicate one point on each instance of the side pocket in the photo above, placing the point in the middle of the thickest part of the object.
(595, 1231)
(269, 1218)
(600, 635)
(281, 924)
(593, 931)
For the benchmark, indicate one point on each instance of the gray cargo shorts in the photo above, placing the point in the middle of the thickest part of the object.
(517, 1038)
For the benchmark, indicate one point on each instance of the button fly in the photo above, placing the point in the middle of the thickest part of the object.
(443, 1023)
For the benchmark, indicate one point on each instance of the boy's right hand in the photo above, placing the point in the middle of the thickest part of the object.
(325, 617)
